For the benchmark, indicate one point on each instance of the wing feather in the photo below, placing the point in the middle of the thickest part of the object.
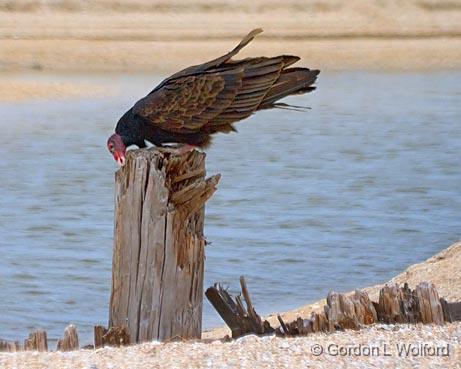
(259, 76)
(188, 103)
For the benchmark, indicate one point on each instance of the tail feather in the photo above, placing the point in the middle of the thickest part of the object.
(292, 81)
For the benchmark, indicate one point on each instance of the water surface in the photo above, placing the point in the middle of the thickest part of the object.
(343, 196)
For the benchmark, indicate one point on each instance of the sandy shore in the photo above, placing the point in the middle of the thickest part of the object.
(141, 35)
(373, 347)
(16, 90)
(163, 37)
(376, 346)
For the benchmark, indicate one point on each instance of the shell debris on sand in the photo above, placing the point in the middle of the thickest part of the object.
(376, 346)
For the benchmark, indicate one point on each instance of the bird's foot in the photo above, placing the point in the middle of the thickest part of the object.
(179, 149)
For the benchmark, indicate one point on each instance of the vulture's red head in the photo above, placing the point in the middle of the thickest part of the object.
(117, 148)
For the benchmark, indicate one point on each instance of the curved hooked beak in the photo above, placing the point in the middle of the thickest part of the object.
(121, 161)
(119, 158)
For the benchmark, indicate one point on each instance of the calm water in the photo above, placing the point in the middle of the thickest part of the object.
(343, 196)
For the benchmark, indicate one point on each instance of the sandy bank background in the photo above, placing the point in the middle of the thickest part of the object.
(158, 35)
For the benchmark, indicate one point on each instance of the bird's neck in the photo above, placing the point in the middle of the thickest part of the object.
(130, 129)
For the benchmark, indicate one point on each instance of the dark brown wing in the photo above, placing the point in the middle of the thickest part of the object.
(211, 96)
(192, 98)
(187, 104)
(259, 75)
(292, 81)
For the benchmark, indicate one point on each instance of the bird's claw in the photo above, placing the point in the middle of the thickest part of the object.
(180, 149)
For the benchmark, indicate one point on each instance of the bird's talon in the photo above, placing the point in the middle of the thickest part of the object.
(179, 149)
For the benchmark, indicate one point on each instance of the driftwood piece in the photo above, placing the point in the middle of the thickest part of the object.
(408, 305)
(9, 346)
(284, 330)
(321, 324)
(255, 319)
(340, 312)
(70, 340)
(99, 332)
(430, 309)
(403, 305)
(304, 326)
(364, 308)
(37, 341)
(116, 336)
(350, 320)
(158, 259)
(226, 308)
(396, 305)
(298, 327)
(239, 319)
(389, 305)
(349, 312)
(332, 311)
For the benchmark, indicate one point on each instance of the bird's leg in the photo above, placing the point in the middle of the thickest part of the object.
(185, 148)
(179, 149)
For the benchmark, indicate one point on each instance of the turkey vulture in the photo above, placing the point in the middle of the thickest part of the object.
(198, 101)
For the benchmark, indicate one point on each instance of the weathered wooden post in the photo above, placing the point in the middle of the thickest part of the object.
(70, 340)
(158, 258)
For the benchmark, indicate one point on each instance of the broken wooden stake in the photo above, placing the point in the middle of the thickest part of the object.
(429, 307)
(364, 308)
(70, 340)
(341, 312)
(403, 305)
(37, 341)
(158, 259)
(116, 336)
(9, 346)
(284, 329)
(240, 320)
(396, 305)
(226, 308)
(99, 332)
(255, 319)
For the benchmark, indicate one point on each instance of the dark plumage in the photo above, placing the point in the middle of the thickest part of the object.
(204, 99)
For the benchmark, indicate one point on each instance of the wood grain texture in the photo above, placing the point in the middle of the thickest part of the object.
(240, 319)
(342, 311)
(158, 259)
(10, 346)
(37, 341)
(430, 308)
(70, 340)
(99, 331)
